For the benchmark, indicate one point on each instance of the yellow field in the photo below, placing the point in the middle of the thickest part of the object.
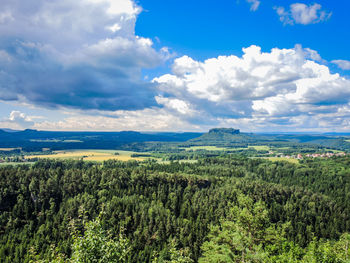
(9, 149)
(90, 155)
(276, 159)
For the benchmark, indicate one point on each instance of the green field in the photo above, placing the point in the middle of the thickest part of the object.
(206, 148)
(15, 163)
(215, 148)
(333, 151)
(180, 161)
(54, 140)
(282, 148)
(260, 147)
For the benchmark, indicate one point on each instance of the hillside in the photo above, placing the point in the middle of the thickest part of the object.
(32, 140)
(227, 136)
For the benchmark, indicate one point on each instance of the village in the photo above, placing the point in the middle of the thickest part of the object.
(309, 155)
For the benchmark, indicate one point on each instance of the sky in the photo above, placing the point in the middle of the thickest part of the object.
(151, 65)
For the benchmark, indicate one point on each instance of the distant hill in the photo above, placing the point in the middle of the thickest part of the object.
(233, 137)
(225, 136)
(35, 140)
(224, 131)
(8, 130)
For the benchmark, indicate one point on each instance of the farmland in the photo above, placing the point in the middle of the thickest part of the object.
(276, 159)
(205, 148)
(260, 147)
(216, 148)
(90, 155)
(9, 149)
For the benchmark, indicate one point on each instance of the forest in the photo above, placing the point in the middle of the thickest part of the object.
(226, 208)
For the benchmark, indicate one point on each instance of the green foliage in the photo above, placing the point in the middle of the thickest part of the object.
(54, 256)
(233, 206)
(243, 236)
(173, 255)
(96, 245)
(328, 251)
(247, 235)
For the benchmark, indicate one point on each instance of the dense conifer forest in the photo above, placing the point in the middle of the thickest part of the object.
(219, 209)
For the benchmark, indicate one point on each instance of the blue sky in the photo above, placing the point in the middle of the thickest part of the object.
(257, 65)
(224, 27)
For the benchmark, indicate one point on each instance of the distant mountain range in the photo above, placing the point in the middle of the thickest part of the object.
(233, 137)
(36, 140)
(9, 130)
(33, 139)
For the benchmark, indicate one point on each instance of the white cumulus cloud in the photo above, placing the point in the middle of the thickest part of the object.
(81, 54)
(343, 64)
(153, 119)
(280, 87)
(300, 13)
(18, 120)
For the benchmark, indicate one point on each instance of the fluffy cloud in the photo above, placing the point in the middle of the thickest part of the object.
(254, 4)
(343, 64)
(152, 119)
(302, 14)
(18, 120)
(82, 54)
(336, 120)
(284, 87)
(259, 91)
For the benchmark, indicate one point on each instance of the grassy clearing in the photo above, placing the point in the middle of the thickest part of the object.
(9, 149)
(180, 161)
(54, 140)
(333, 151)
(260, 147)
(281, 148)
(277, 159)
(239, 149)
(45, 140)
(207, 148)
(215, 148)
(91, 155)
(15, 163)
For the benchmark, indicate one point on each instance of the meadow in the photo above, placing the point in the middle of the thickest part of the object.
(276, 159)
(260, 147)
(215, 148)
(90, 155)
(9, 149)
(206, 148)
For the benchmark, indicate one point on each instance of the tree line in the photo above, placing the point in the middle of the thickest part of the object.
(219, 209)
